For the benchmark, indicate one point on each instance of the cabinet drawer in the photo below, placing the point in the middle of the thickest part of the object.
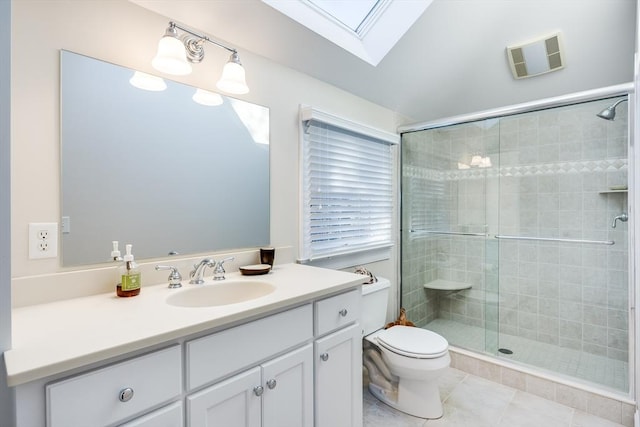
(96, 398)
(338, 311)
(168, 416)
(220, 354)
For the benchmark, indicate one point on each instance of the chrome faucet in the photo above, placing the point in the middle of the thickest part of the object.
(622, 217)
(197, 273)
(218, 270)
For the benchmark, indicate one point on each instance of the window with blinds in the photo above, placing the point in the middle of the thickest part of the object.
(347, 187)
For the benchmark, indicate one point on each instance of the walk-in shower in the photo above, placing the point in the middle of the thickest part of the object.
(514, 235)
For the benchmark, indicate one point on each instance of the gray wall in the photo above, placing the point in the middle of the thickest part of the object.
(6, 396)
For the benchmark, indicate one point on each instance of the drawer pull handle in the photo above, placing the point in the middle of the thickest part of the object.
(324, 357)
(258, 390)
(343, 312)
(126, 394)
(271, 384)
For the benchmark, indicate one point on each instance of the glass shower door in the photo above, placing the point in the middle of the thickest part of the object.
(564, 266)
(447, 175)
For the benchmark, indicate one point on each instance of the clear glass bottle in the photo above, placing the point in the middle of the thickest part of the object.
(129, 284)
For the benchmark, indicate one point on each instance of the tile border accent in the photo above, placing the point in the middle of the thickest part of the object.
(556, 168)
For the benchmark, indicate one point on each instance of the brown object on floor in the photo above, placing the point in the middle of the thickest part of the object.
(402, 320)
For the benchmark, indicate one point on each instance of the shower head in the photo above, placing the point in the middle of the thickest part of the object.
(609, 113)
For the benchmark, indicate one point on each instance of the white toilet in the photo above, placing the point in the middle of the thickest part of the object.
(404, 362)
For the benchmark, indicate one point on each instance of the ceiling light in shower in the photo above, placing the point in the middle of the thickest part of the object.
(476, 161)
(485, 162)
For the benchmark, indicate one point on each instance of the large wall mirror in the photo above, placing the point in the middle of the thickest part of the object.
(157, 169)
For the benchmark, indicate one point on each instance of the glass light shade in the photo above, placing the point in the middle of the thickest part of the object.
(486, 162)
(233, 79)
(207, 98)
(147, 82)
(171, 57)
(476, 161)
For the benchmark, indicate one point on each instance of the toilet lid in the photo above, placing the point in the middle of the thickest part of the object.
(413, 342)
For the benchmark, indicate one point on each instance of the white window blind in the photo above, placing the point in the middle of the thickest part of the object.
(347, 187)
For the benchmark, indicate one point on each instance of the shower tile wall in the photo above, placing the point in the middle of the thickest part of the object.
(549, 176)
(557, 167)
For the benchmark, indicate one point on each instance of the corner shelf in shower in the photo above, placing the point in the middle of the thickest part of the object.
(446, 285)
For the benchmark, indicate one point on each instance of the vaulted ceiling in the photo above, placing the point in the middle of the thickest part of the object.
(451, 61)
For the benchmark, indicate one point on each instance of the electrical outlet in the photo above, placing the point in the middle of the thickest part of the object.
(43, 240)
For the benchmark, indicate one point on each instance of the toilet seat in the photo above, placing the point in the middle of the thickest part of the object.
(413, 342)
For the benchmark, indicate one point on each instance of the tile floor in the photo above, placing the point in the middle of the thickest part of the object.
(471, 401)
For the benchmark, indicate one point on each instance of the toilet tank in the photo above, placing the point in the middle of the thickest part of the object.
(375, 297)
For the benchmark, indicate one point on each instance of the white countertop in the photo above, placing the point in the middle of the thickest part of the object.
(52, 338)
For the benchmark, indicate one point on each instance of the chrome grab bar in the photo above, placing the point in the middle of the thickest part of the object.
(456, 233)
(551, 239)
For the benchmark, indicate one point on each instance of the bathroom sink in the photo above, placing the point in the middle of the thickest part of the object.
(224, 293)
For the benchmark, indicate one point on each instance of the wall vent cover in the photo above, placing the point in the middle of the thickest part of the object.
(536, 57)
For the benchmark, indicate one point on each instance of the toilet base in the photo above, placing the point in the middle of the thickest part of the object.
(415, 398)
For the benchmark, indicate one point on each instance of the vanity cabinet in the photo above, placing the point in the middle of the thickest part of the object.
(116, 392)
(230, 403)
(168, 416)
(283, 392)
(288, 396)
(338, 361)
(298, 367)
(215, 356)
(277, 393)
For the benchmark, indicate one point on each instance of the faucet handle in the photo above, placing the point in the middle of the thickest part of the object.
(624, 217)
(218, 271)
(175, 278)
(222, 261)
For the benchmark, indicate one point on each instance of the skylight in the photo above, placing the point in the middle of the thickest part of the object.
(352, 13)
(367, 29)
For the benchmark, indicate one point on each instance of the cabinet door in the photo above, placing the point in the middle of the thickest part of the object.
(231, 403)
(288, 390)
(338, 379)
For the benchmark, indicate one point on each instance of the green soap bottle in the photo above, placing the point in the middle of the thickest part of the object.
(130, 282)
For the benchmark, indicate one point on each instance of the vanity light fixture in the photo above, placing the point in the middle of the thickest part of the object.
(147, 82)
(175, 55)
